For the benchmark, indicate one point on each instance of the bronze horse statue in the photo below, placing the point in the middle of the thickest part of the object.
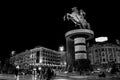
(78, 18)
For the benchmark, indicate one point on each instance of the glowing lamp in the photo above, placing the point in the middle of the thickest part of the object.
(61, 48)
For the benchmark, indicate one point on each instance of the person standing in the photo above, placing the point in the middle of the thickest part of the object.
(16, 74)
(49, 73)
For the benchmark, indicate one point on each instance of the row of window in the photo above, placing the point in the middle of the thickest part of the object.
(103, 60)
(48, 62)
(49, 52)
(49, 55)
(107, 49)
(51, 59)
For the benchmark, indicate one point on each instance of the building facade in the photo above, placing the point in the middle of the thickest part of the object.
(63, 61)
(36, 57)
(104, 54)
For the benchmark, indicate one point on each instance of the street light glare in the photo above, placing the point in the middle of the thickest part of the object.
(61, 48)
(13, 52)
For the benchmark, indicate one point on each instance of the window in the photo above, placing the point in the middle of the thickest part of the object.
(110, 49)
(118, 54)
(103, 54)
(96, 50)
(103, 60)
(102, 49)
(38, 54)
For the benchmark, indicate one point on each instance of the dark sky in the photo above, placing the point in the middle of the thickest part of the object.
(29, 24)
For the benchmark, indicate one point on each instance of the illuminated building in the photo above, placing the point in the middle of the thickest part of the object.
(104, 54)
(46, 57)
(39, 56)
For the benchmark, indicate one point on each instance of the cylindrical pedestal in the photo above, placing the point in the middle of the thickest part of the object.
(80, 48)
(76, 45)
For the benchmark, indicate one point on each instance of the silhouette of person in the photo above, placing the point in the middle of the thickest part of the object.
(49, 73)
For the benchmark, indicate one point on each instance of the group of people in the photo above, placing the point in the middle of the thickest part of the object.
(46, 73)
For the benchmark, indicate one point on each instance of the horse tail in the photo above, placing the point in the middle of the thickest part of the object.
(66, 16)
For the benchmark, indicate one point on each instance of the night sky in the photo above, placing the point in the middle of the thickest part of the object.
(26, 25)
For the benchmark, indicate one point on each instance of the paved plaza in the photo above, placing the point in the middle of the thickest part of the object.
(59, 76)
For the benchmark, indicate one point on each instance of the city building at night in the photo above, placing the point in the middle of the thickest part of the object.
(104, 55)
(37, 57)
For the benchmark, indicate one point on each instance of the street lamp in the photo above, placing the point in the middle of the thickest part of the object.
(61, 48)
(65, 63)
(39, 68)
(17, 67)
(12, 53)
